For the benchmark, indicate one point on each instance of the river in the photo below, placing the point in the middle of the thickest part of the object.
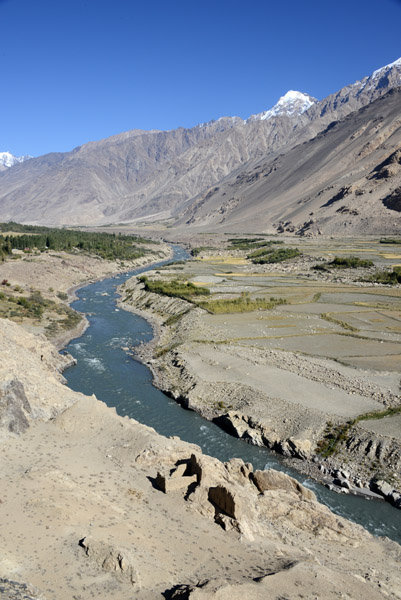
(106, 370)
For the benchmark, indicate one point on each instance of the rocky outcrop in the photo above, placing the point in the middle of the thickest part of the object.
(276, 480)
(239, 499)
(30, 389)
(14, 590)
(393, 200)
(296, 579)
(108, 557)
(177, 479)
(14, 407)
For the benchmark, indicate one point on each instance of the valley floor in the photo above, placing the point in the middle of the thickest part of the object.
(295, 376)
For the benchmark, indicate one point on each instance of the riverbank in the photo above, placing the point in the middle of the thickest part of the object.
(217, 366)
(57, 275)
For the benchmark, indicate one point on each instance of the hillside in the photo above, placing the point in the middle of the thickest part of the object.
(346, 180)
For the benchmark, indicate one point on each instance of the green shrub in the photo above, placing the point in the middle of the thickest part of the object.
(174, 288)
(386, 277)
(350, 262)
(390, 241)
(271, 256)
(241, 304)
(199, 249)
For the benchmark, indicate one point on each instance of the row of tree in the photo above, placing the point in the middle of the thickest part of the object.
(105, 245)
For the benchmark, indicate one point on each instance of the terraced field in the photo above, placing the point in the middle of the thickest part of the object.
(322, 348)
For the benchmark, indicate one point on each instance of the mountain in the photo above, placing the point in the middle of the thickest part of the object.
(292, 103)
(154, 175)
(9, 160)
(345, 181)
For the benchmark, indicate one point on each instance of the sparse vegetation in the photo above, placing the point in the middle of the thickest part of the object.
(175, 318)
(174, 288)
(386, 277)
(199, 249)
(321, 267)
(36, 307)
(390, 241)
(350, 262)
(270, 255)
(240, 305)
(343, 324)
(251, 243)
(335, 435)
(347, 262)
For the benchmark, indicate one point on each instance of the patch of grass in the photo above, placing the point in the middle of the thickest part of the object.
(343, 324)
(350, 262)
(373, 415)
(250, 243)
(173, 265)
(35, 306)
(271, 256)
(162, 351)
(320, 267)
(335, 435)
(71, 320)
(198, 250)
(174, 288)
(240, 305)
(317, 297)
(390, 241)
(347, 262)
(175, 318)
(386, 277)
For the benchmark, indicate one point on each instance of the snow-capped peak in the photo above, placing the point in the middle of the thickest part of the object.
(9, 160)
(292, 103)
(392, 70)
(396, 63)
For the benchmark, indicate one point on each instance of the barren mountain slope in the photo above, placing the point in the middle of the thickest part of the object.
(153, 175)
(345, 180)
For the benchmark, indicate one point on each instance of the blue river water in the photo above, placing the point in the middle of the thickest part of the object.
(105, 369)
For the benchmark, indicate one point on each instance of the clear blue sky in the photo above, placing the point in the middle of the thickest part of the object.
(80, 70)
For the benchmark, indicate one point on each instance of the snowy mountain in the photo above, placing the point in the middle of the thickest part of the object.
(9, 160)
(292, 103)
(388, 74)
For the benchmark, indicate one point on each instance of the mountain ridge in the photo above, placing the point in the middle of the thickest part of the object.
(155, 175)
(341, 181)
